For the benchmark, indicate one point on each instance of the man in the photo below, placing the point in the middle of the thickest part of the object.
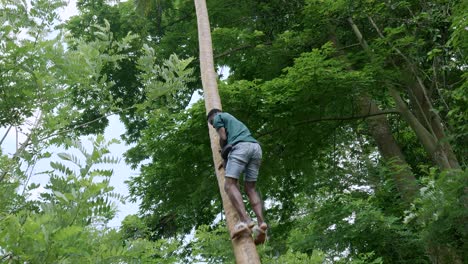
(244, 156)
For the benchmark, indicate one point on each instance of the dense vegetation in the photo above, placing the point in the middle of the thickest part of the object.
(360, 107)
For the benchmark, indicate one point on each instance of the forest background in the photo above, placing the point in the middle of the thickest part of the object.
(360, 107)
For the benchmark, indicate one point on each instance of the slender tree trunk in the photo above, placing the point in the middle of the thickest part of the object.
(422, 107)
(442, 154)
(425, 123)
(380, 131)
(244, 247)
(427, 139)
(20, 150)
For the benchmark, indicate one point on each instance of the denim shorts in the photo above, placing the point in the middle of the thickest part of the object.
(244, 157)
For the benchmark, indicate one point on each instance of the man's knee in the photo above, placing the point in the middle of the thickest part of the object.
(249, 187)
(227, 187)
(229, 183)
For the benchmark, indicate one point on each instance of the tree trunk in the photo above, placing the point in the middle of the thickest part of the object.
(244, 247)
(380, 131)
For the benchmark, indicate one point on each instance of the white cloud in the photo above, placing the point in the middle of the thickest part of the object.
(69, 11)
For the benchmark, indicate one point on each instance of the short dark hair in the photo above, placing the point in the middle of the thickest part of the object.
(212, 112)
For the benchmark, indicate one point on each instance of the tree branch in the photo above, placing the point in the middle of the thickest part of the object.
(345, 118)
(358, 34)
(229, 51)
(4, 136)
(86, 123)
(7, 256)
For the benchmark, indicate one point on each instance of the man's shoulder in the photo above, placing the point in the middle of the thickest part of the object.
(226, 119)
(225, 115)
(219, 120)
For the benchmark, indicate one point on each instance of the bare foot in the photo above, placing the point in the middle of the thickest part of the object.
(239, 228)
(260, 233)
(250, 224)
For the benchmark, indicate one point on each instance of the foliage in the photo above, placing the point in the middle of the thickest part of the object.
(440, 215)
(70, 81)
(363, 224)
(57, 91)
(297, 74)
(73, 203)
(210, 244)
(296, 258)
(165, 85)
(173, 165)
(132, 80)
(69, 223)
(68, 84)
(25, 58)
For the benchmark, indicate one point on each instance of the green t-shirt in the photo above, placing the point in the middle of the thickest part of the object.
(236, 130)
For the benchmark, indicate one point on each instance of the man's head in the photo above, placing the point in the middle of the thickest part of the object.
(210, 116)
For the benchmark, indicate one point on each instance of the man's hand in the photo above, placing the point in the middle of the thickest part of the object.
(222, 164)
(222, 136)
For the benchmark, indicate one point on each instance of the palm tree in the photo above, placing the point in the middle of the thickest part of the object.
(244, 247)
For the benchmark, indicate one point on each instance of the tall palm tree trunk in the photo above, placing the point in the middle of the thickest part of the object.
(244, 247)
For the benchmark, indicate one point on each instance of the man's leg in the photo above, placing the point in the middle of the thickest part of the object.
(257, 205)
(255, 201)
(232, 190)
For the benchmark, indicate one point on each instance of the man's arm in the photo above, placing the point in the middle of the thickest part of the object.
(222, 136)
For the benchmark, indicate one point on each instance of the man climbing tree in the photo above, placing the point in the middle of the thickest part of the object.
(241, 153)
